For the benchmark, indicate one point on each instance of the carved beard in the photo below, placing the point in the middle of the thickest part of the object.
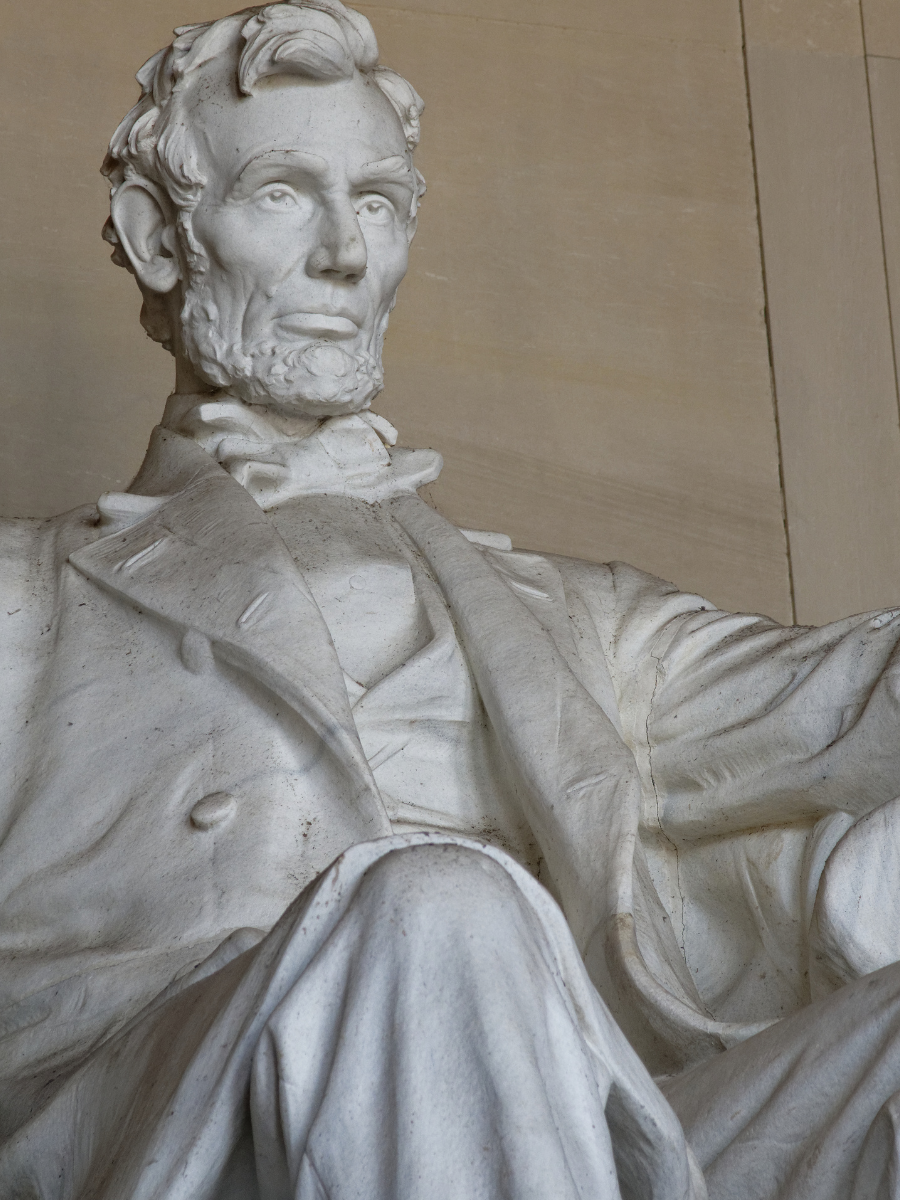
(317, 379)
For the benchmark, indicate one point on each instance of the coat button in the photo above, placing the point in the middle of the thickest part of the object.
(213, 810)
(197, 652)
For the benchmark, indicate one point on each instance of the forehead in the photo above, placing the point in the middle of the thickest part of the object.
(348, 123)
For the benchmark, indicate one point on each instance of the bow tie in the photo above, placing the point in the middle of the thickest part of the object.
(346, 456)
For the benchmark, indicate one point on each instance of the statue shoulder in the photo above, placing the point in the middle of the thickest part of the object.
(21, 542)
(628, 607)
(634, 617)
(625, 601)
(32, 550)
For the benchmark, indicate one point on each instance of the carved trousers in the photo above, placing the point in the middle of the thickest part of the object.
(418, 1026)
(808, 1109)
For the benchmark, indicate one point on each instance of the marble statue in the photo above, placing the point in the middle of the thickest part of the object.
(346, 854)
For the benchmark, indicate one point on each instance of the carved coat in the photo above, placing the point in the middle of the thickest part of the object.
(179, 759)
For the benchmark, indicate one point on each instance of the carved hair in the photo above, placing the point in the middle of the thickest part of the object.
(317, 39)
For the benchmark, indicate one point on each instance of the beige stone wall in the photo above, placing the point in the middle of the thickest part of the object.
(823, 98)
(583, 333)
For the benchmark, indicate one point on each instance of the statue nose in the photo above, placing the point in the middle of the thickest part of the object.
(341, 250)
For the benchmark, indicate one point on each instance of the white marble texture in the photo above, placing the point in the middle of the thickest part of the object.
(347, 854)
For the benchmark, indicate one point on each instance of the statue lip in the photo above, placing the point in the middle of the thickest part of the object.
(319, 324)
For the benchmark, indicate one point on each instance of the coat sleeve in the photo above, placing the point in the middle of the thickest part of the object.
(738, 721)
(759, 747)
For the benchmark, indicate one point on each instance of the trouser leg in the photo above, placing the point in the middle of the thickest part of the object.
(429, 1052)
(807, 1109)
(417, 1026)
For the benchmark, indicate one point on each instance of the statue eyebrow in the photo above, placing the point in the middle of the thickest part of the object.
(293, 161)
(395, 169)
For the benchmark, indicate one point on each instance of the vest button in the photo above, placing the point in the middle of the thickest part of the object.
(214, 809)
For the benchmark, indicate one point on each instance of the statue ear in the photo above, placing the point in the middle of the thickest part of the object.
(144, 222)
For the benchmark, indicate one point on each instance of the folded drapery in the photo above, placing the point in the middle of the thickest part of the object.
(419, 1023)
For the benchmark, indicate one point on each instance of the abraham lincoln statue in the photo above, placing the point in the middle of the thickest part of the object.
(346, 854)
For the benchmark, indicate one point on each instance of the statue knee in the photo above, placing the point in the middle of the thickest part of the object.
(442, 886)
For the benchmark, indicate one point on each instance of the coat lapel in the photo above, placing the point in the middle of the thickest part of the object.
(209, 561)
(577, 779)
(578, 786)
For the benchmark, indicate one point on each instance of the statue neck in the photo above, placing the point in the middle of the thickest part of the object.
(187, 381)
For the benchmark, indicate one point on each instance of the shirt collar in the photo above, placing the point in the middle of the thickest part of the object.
(277, 461)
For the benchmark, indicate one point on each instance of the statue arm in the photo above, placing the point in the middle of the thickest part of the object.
(737, 721)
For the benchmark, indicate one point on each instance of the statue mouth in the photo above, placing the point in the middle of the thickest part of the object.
(318, 324)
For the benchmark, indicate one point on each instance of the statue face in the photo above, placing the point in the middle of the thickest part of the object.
(305, 221)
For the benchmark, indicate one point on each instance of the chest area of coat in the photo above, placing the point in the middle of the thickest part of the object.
(414, 701)
(362, 581)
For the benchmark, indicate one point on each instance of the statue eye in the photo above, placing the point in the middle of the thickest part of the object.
(375, 210)
(279, 197)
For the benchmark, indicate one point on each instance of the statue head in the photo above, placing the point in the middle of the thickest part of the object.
(264, 196)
